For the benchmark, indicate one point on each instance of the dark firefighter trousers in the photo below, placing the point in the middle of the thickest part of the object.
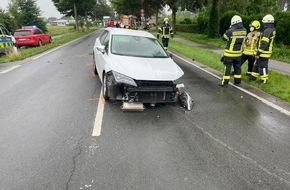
(261, 69)
(228, 63)
(251, 60)
(165, 42)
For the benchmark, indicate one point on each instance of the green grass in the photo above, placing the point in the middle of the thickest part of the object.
(27, 52)
(279, 84)
(58, 30)
(280, 52)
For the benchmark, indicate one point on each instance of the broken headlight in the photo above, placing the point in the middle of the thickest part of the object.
(120, 78)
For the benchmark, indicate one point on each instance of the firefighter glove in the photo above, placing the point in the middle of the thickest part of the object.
(172, 36)
(222, 59)
(158, 36)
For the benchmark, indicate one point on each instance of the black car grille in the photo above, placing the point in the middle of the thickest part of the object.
(153, 92)
(141, 83)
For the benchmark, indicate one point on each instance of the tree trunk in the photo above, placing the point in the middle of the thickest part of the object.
(86, 20)
(174, 10)
(156, 18)
(76, 17)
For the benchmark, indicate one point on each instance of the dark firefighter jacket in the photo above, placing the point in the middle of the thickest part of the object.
(165, 31)
(235, 37)
(266, 41)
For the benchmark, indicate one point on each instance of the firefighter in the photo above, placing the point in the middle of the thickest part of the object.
(265, 47)
(232, 56)
(166, 31)
(250, 45)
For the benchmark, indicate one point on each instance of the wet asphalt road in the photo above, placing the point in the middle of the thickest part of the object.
(48, 105)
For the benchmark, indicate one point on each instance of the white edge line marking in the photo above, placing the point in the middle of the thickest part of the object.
(282, 110)
(99, 117)
(10, 69)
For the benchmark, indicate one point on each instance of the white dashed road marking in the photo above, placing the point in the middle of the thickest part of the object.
(99, 117)
(10, 69)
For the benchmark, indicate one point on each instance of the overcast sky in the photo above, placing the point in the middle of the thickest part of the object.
(46, 6)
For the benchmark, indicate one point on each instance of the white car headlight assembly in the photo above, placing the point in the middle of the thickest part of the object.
(120, 78)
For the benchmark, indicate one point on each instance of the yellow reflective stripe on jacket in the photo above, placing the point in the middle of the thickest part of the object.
(236, 39)
(268, 52)
(165, 31)
(226, 37)
(265, 39)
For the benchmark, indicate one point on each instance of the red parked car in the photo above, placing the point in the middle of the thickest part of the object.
(31, 36)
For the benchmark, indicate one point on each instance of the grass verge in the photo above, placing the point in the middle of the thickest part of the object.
(27, 52)
(280, 52)
(279, 84)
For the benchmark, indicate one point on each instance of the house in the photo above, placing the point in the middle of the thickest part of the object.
(59, 22)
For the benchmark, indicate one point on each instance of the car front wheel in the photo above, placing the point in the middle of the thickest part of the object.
(105, 87)
(39, 43)
(95, 68)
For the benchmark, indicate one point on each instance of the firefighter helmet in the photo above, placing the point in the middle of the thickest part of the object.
(236, 19)
(256, 24)
(166, 20)
(268, 19)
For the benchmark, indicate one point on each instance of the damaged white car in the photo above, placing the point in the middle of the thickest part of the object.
(135, 69)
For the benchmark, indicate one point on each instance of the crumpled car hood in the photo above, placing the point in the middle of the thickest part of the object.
(156, 69)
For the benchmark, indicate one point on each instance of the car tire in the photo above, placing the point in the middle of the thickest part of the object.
(39, 43)
(105, 87)
(95, 68)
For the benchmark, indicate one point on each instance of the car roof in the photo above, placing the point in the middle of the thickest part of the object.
(122, 31)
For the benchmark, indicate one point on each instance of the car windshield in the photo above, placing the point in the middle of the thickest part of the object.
(22, 33)
(137, 46)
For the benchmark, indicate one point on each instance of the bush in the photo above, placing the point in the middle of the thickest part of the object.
(202, 24)
(225, 20)
(188, 28)
(187, 21)
(282, 25)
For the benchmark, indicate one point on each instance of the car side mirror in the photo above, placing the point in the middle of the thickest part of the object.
(101, 49)
(170, 55)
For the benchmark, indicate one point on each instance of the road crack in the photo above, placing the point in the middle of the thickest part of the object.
(78, 151)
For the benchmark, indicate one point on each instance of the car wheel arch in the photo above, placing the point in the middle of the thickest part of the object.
(39, 42)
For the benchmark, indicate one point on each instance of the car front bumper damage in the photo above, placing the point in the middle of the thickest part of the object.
(148, 92)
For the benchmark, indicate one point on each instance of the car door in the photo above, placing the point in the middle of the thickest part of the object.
(42, 36)
(101, 57)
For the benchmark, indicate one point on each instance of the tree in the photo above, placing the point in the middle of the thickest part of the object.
(133, 7)
(193, 5)
(250, 7)
(213, 24)
(26, 13)
(7, 21)
(173, 4)
(75, 8)
(152, 7)
(101, 9)
(127, 7)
